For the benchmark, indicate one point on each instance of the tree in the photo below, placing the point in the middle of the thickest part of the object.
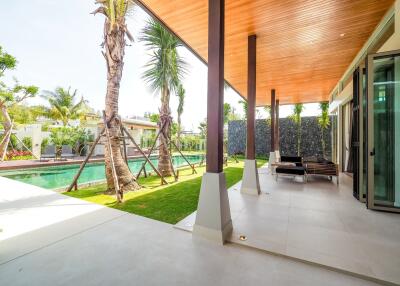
(203, 129)
(10, 96)
(233, 115)
(227, 112)
(267, 109)
(153, 117)
(244, 106)
(63, 105)
(115, 31)
(163, 73)
(296, 117)
(324, 122)
(181, 97)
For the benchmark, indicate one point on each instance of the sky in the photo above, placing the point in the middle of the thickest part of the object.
(57, 43)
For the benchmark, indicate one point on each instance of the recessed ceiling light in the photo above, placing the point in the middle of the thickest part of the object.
(243, 238)
(342, 35)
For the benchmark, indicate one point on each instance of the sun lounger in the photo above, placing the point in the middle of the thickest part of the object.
(66, 152)
(49, 153)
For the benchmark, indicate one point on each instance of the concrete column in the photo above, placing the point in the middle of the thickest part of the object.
(213, 219)
(250, 182)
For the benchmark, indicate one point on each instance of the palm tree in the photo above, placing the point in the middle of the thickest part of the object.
(63, 105)
(227, 112)
(296, 117)
(115, 30)
(163, 73)
(324, 123)
(268, 110)
(245, 107)
(181, 97)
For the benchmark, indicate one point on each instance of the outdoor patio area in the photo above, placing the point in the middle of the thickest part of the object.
(317, 222)
(51, 239)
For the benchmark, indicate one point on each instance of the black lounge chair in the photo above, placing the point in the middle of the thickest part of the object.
(291, 171)
(49, 153)
(66, 152)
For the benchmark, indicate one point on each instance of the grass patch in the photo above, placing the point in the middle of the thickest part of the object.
(169, 203)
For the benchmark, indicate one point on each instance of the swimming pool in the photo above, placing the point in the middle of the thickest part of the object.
(57, 177)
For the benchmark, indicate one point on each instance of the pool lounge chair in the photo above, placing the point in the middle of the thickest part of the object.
(66, 152)
(49, 153)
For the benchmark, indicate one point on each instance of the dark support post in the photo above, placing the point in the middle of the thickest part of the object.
(215, 96)
(277, 126)
(251, 98)
(213, 219)
(250, 184)
(273, 120)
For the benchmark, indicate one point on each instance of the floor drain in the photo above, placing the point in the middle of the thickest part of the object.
(242, 237)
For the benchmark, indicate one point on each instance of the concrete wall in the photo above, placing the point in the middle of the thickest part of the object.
(310, 135)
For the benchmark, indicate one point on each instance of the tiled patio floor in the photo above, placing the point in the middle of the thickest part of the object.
(318, 222)
(50, 239)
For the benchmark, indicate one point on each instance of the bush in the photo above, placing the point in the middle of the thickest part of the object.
(28, 142)
(75, 137)
(18, 155)
(44, 144)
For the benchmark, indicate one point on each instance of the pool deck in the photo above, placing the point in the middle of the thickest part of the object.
(51, 239)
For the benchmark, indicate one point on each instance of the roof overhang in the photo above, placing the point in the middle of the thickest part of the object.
(303, 47)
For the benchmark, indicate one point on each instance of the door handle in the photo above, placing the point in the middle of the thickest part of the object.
(372, 153)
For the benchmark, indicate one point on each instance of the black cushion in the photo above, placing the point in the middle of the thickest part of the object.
(291, 159)
(291, 170)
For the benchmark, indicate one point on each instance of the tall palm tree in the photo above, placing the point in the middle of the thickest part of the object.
(163, 73)
(324, 123)
(245, 107)
(63, 105)
(296, 117)
(181, 97)
(115, 31)
(268, 110)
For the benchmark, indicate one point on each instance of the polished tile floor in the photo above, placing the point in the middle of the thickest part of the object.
(51, 239)
(318, 222)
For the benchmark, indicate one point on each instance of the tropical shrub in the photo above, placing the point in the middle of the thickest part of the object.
(27, 142)
(18, 155)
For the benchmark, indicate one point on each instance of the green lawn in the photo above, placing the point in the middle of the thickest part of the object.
(169, 203)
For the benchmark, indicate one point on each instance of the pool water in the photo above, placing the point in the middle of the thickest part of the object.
(56, 177)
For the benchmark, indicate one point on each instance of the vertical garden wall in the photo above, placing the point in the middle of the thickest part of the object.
(311, 135)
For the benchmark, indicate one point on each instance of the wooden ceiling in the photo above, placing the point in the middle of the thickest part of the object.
(303, 46)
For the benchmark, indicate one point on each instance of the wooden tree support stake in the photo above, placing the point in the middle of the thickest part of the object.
(147, 160)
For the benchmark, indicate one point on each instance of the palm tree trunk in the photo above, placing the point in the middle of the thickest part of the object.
(298, 138)
(323, 142)
(164, 164)
(7, 124)
(114, 54)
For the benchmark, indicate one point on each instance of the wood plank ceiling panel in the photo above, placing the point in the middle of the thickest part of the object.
(303, 46)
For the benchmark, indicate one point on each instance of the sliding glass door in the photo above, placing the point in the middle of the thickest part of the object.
(383, 131)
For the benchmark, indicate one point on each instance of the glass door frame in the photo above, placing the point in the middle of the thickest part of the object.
(362, 130)
(370, 131)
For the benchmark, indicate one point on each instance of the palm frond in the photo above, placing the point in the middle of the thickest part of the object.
(166, 67)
